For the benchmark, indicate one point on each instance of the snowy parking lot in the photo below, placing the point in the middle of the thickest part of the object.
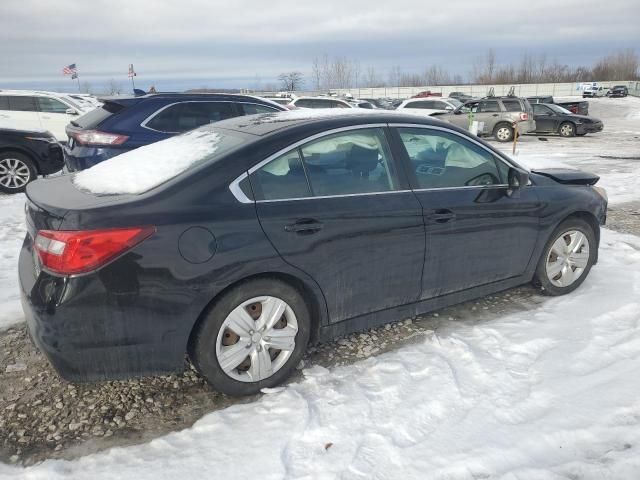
(545, 389)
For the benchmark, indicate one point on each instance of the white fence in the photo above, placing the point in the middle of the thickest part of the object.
(521, 90)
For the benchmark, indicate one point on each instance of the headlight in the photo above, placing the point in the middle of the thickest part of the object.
(602, 192)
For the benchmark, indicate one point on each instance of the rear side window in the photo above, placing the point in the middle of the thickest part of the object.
(421, 104)
(281, 178)
(22, 104)
(304, 103)
(186, 116)
(51, 105)
(254, 108)
(4, 103)
(512, 105)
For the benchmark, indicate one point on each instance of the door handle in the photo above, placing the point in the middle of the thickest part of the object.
(442, 215)
(494, 115)
(305, 226)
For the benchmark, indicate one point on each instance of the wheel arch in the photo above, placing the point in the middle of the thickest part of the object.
(588, 217)
(308, 293)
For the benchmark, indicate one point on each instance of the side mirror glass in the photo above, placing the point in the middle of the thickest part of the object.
(71, 111)
(517, 179)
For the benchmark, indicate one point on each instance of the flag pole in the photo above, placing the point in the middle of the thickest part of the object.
(78, 79)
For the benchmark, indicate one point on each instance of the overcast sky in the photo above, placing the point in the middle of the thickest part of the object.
(179, 44)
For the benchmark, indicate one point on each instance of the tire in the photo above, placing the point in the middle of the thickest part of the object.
(16, 172)
(245, 344)
(567, 129)
(503, 132)
(550, 261)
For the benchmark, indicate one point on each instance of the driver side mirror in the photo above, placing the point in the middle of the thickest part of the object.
(457, 112)
(71, 111)
(517, 179)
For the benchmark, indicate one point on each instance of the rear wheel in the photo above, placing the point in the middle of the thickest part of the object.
(567, 257)
(503, 132)
(253, 337)
(16, 171)
(567, 129)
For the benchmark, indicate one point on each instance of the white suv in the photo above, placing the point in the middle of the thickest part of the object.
(429, 106)
(29, 110)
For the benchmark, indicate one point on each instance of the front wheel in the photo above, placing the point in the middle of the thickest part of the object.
(567, 257)
(567, 129)
(16, 172)
(253, 337)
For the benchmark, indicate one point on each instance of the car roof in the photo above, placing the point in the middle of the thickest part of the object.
(187, 96)
(268, 123)
(33, 93)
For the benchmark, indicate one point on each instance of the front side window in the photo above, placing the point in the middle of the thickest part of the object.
(445, 160)
(4, 103)
(51, 105)
(22, 104)
(352, 162)
(254, 108)
(539, 109)
(488, 106)
(186, 116)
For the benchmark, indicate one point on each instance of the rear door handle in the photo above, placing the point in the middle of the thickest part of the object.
(494, 115)
(442, 215)
(304, 226)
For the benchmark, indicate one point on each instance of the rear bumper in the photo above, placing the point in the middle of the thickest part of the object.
(89, 333)
(80, 157)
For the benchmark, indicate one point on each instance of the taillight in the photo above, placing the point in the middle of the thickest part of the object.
(96, 137)
(524, 116)
(72, 252)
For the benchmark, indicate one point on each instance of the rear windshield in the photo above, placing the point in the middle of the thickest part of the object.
(137, 171)
(97, 116)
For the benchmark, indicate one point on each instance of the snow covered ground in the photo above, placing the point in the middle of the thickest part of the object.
(550, 393)
(545, 394)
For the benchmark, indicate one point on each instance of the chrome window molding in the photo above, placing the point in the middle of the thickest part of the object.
(237, 192)
(157, 112)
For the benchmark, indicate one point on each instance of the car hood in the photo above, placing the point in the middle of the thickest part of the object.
(568, 176)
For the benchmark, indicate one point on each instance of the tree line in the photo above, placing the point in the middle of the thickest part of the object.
(342, 72)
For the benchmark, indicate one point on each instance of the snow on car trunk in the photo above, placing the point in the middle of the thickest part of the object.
(547, 393)
(147, 167)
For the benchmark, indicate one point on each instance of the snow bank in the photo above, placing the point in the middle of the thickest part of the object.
(541, 394)
(147, 167)
(12, 232)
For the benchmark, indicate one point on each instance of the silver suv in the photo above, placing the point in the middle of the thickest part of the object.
(495, 116)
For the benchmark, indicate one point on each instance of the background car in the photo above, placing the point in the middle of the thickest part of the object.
(30, 110)
(555, 119)
(496, 115)
(579, 107)
(24, 155)
(127, 122)
(427, 107)
(383, 103)
(461, 96)
(592, 91)
(244, 254)
(618, 91)
(321, 102)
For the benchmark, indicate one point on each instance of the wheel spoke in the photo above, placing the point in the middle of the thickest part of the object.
(261, 367)
(559, 247)
(579, 259)
(272, 311)
(281, 338)
(5, 180)
(4, 168)
(241, 322)
(567, 277)
(576, 242)
(232, 356)
(553, 269)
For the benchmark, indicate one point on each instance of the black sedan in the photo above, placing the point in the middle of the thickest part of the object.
(284, 229)
(25, 154)
(552, 118)
(618, 91)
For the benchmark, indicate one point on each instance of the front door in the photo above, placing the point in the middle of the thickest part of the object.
(338, 209)
(544, 117)
(23, 113)
(476, 234)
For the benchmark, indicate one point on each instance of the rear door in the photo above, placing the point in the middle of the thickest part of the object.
(476, 234)
(54, 117)
(23, 113)
(337, 208)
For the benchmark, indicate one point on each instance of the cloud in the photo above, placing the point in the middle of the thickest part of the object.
(213, 40)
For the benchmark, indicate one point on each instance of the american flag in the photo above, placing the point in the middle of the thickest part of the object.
(70, 70)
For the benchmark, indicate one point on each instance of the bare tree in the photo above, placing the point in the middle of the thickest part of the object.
(291, 81)
(85, 87)
(114, 87)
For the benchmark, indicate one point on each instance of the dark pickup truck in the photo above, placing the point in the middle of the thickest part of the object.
(579, 107)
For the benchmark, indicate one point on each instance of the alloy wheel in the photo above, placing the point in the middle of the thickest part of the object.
(503, 133)
(567, 258)
(14, 173)
(256, 339)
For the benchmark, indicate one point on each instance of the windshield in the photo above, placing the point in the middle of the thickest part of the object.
(455, 102)
(558, 109)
